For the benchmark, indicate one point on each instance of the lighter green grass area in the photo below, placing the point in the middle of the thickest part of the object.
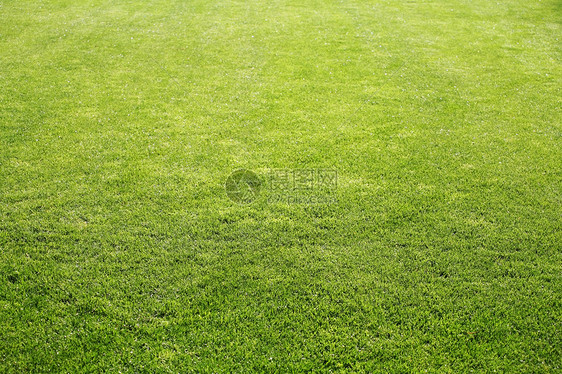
(121, 120)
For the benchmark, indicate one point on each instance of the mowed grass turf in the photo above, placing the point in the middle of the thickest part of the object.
(121, 121)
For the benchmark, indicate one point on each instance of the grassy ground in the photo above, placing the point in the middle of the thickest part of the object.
(121, 121)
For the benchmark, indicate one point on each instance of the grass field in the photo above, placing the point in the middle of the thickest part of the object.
(439, 251)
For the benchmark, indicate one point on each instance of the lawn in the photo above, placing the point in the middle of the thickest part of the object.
(126, 247)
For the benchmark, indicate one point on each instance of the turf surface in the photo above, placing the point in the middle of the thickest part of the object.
(121, 121)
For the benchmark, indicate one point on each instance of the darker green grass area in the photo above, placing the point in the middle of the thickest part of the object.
(439, 250)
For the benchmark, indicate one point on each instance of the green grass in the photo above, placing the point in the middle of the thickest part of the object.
(121, 121)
